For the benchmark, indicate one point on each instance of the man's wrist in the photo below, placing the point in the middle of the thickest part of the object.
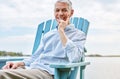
(60, 30)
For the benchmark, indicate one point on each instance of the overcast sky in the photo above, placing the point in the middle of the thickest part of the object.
(19, 20)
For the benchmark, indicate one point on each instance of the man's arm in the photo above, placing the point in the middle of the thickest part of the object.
(61, 26)
(73, 49)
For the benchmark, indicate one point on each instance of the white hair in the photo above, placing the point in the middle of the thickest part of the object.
(66, 1)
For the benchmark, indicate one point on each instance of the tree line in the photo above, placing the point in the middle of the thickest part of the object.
(5, 53)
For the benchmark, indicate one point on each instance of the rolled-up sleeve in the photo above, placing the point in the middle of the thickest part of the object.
(74, 48)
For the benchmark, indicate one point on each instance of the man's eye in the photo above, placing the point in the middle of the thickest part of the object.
(57, 10)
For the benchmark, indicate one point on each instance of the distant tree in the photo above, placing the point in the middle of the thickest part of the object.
(4, 53)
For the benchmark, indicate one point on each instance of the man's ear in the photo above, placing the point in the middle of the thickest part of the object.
(72, 11)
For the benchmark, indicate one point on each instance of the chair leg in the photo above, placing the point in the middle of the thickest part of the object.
(61, 74)
(82, 71)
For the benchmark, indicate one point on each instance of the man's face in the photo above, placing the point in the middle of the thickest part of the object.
(62, 11)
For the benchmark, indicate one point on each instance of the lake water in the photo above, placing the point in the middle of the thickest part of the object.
(103, 68)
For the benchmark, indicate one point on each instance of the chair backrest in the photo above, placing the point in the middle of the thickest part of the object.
(80, 23)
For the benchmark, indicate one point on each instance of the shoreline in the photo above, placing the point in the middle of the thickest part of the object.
(98, 55)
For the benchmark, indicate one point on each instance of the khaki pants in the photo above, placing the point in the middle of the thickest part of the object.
(24, 74)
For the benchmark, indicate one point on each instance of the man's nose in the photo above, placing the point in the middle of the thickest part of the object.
(60, 13)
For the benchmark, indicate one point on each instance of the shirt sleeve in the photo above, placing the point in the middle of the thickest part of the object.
(74, 48)
(35, 55)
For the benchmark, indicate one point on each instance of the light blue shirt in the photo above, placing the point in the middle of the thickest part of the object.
(51, 49)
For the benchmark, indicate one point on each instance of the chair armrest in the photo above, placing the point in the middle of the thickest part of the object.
(68, 65)
(62, 69)
(3, 60)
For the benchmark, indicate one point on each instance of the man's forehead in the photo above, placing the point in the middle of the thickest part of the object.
(61, 5)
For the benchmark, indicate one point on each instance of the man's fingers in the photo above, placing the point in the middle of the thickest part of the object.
(9, 65)
(60, 20)
(14, 67)
(68, 19)
(6, 67)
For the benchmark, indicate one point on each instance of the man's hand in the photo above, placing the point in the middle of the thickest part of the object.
(11, 65)
(62, 24)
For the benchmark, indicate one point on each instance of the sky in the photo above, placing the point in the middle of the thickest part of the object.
(19, 20)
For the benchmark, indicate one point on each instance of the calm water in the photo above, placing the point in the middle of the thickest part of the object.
(103, 68)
